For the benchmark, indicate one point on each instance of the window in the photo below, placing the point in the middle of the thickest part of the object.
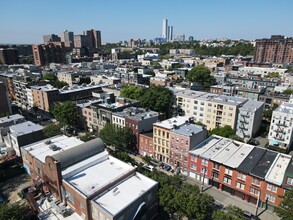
(70, 197)
(228, 171)
(204, 171)
(204, 162)
(240, 185)
(290, 181)
(254, 191)
(241, 176)
(193, 166)
(186, 142)
(195, 102)
(216, 166)
(255, 182)
(215, 175)
(193, 158)
(270, 198)
(210, 105)
(271, 187)
(227, 180)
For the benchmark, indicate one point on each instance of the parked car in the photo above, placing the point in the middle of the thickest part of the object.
(149, 167)
(253, 142)
(250, 216)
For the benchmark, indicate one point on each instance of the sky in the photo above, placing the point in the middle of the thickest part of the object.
(26, 21)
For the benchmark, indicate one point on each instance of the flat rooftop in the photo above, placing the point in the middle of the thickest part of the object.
(264, 164)
(230, 149)
(24, 128)
(251, 160)
(41, 149)
(277, 171)
(170, 123)
(10, 118)
(188, 129)
(205, 145)
(285, 108)
(216, 148)
(187, 93)
(228, 100)
(251, 105)
(94, 173)
(236, 159)
(123, 194)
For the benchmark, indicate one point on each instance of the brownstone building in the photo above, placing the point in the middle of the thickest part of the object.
(277, 49)
(4, 100)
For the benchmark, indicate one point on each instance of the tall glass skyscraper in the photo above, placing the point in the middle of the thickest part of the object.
(165, 28)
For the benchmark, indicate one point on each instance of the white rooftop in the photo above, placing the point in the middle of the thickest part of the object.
(227, 152)
(205, 145)
(92, 174)
(10, 118)
(41, 149)
(24, 128)
(125, 193)
(236, 159)
(276, 172)
(216, 148)
(169, 123)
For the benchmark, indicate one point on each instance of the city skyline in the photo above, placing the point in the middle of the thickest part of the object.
(249, 20)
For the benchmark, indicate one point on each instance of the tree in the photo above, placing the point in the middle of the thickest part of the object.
(50, 76)
(86, 80)
(132, 92)
(236, 138)
(232, 213)
(285, 209)
(66, 113)
(225, 131)
(59, 84)
(288, 91)
(267, 114)
(122, 138)
(273, 75)
(51, 130)
(158, 99)
(202, 76)
(15, 212)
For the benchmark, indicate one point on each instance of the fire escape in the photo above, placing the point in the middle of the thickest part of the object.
(243, 122)
(280, 130)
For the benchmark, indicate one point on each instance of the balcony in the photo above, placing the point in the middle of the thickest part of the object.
(279, 130)
(244, 116)
(279, 137)
(220, 107)
(220, 113)
(219, 119)
(244, 121)
(282, 124)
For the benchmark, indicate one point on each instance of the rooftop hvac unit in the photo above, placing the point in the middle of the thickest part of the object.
(53, 147)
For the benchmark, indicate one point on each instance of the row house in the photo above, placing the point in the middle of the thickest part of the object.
(139, 120)
(281, 132)
(83, 177)
(146, 144)
(172, 140)
(243, 170)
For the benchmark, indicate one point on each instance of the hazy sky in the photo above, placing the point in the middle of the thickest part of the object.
(26, 21)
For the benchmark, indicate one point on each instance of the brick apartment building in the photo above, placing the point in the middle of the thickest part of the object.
(85, 178)
(8, 56)
(50, 53)
(243, 170)
(277, 49)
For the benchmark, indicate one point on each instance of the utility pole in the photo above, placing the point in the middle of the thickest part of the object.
(202, 182)
(257, 203)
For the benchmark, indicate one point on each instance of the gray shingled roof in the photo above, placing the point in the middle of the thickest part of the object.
(79, 153)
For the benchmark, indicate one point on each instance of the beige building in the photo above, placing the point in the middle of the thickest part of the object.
(221, 111)
(161, 137)
(68, 77)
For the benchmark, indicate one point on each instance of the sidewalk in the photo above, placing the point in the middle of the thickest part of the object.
(227, 199)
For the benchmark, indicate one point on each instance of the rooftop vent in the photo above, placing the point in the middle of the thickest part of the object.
(48, 142)
(53, 147)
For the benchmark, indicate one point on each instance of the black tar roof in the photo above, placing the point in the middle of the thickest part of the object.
(263, 166)
(251, 160)
(290, 167)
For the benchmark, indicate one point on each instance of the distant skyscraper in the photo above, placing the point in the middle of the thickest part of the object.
(170, 33)
(46, 54)
(93, 38)
(51, 38)
(67, 38)
(190, 39)
(79, 41)
(8, 56)
(165, 29)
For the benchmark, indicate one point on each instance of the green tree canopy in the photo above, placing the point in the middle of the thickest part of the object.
(225, 131)
(50, 76)
(157, 99)
(288, 91)
(15, 212)
(285, 209)
(118, 137)
(202, 76)
(268, 113)
(273, 75)
(59, 84)
(51, 130)
(132, 92)
(232, 213)
(66, 113)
